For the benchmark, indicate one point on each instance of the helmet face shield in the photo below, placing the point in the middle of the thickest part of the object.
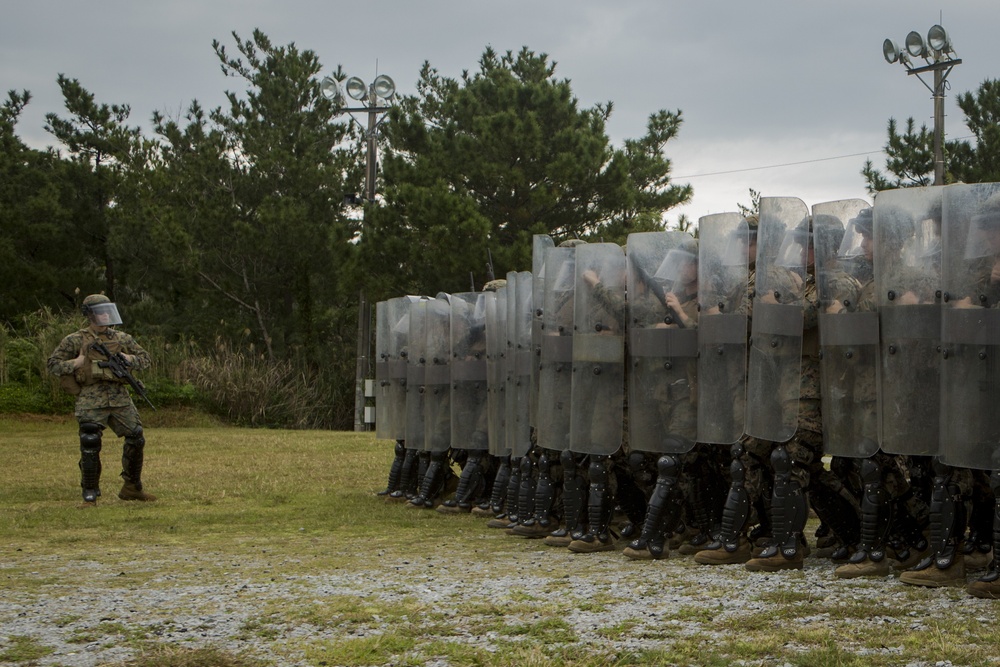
(103, 314)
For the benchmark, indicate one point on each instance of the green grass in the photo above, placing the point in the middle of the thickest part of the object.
(286, 529)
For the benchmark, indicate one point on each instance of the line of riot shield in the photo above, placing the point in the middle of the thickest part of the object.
(390, 369)
(662, 288)
(539, 244)
(775, 362)
(555, 368)
(416, 374)
(437, 377)
(848, 328)
(599, 314)
(723, 272)
(970, 326)
(496, 370)
(468, 371)
(519, 315)
(907, 227)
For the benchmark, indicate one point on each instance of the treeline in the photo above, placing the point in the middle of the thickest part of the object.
(233, 245)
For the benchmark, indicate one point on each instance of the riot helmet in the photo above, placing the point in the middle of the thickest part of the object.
(100, 311)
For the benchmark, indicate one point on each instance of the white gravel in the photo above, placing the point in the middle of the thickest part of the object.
(86, 611)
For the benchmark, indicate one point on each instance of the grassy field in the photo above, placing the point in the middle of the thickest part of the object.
(271, 548)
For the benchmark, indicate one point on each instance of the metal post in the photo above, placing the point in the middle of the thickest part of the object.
(938, 127)
(364, 341)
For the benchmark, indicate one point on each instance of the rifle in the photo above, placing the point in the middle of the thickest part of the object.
(489, 266)
(658, 292)
(119, 367)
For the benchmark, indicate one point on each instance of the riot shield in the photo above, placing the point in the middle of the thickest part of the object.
(540, 243)
(775, 361)
(662, 288)
(907, 227)
(392, 329)
(599, 313)
(416, 374)
(496, 370)
(723, 273)
(437, 377)
(555, 376)
(518, 429)
(468, 371)
(970, 327)
(848, 331)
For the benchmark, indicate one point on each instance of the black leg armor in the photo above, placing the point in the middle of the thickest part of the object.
(545, 492)
(663, 510)
(526, 491)
(396, 469)
(471, 482)
(993, 571)
(788, 507)
(514, 491)
(500, 482)
(600, 505)
(132, 456)
(876, 514)
(980, 517)
(90, 460)
(736, 510)
(407, 477)
(432, 481)
(947, 519)
(573, 497)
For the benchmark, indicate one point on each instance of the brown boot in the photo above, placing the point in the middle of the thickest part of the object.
(864, 568)
(773, 560)
(558, 538)
(592, 544)
(935, 577)
(987, 587)
(722, 557)
(132, 491)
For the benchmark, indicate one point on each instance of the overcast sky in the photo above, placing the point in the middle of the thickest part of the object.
(785, 82)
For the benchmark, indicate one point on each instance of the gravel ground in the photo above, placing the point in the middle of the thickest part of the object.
(83, 609)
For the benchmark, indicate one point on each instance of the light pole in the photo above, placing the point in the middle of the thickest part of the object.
(937, 52)
(375, 100)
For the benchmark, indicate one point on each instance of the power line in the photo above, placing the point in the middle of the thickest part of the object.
(788, 164)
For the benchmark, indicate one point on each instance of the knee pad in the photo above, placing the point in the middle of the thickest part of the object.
(90, 436)
(636, 462)
(781, 462)
(598, 470)
(667, 466)
(135, 438)
(568, 462)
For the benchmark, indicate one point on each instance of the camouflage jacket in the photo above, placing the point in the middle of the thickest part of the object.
(98, 387)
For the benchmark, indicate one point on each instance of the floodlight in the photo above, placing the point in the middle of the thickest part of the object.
(330, 88)
(938, 40)
(356, 88)
(915, 44)
(890, 50)
(384, 87)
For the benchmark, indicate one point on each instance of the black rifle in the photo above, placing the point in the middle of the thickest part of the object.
(489, 266)
(119, 367)
(657, 290)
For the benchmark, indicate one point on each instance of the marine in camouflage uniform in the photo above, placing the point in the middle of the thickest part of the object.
(102, 400)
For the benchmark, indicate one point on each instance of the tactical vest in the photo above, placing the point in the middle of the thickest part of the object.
(91, 372)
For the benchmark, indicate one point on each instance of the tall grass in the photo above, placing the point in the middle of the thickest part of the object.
(239, 385)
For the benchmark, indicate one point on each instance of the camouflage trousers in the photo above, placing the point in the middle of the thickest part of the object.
(123, 420)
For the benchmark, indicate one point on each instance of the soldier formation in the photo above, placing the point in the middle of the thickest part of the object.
(710, 392)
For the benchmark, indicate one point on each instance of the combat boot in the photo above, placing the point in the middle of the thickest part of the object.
(864, 568)
(558, 538)
(132, 491)
(451, 507)
(774, 559)
(933, 576)
(722, 556)
(532, 529)
(591, 543)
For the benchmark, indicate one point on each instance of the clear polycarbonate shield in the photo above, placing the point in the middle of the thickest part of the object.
(662, 288)
(416, 375)
(437, 378)
(907, 228)
(775, 358)
(555, 368)
(848, 333)
(390, 368)
(599, 314)
(104, 314)
(496, 370)
(723, 273)
(540, 243)
(468, 371)
(970, 327)
(519, 317)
